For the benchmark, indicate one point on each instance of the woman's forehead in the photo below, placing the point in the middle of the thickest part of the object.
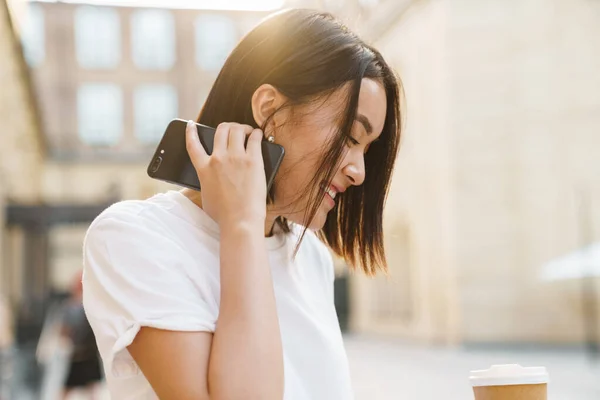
(372, 103)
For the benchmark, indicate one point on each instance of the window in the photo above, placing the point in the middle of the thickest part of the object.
(154, 107)
(33, 36)
(97, 37)
(100, 113)
(153, 39)
(216, 35)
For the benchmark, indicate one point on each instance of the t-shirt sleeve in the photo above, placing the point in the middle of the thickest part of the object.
(134, 277)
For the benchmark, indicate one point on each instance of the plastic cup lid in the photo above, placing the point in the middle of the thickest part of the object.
(510, 374)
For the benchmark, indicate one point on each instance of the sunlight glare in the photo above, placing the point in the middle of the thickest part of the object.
(237, 5)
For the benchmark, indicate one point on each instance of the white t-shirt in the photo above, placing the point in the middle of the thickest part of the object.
(155, 263)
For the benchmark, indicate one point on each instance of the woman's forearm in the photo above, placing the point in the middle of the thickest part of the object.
(246, 360)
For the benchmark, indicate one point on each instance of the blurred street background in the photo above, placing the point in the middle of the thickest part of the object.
(492, 223)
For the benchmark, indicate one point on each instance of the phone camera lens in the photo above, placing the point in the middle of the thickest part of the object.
(156, 164)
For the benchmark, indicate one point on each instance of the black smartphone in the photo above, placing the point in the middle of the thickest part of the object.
(171, 162)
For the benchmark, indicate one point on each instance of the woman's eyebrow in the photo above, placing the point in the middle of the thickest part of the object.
(366, 123)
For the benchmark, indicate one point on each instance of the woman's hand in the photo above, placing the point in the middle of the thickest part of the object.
(232, 178)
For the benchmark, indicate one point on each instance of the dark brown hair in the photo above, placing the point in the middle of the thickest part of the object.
(307, 55)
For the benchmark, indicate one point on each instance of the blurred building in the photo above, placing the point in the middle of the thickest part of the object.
(499, 172)
(98, 86)
(502, 127)
(22, 149)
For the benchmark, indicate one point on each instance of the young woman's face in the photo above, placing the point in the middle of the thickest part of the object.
(307, 137)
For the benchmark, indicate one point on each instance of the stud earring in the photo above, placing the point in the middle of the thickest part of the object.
(271, 139)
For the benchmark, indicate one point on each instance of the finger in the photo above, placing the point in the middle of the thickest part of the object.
(237, 138)
(194, 147)
(255, 142)
(221, 138)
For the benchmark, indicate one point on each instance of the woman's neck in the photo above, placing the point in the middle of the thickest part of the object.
(196, 198)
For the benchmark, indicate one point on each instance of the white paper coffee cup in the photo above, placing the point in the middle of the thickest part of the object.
(510, 382)
(509, 374)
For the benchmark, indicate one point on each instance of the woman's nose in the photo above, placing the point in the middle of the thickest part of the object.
(355, 170)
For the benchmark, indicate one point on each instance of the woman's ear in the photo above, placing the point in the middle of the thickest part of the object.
(265, 101)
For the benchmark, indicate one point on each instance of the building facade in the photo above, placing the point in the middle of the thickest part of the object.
(89, 91)
(498, 155)
(22, 154)
(498, 173)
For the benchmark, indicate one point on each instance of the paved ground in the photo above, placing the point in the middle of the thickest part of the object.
(388, 369)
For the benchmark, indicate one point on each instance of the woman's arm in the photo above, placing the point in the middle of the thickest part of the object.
(244, 358)
(175, 363)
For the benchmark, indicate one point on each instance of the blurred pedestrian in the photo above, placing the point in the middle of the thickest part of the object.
(84, 372)
(6, 348)
(6, 333)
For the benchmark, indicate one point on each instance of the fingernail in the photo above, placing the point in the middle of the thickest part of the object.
(190, 123)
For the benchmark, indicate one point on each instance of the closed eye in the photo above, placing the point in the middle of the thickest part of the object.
(352, 141)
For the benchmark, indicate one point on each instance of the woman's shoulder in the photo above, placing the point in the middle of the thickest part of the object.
(141, 236)
(135, 213)
(144, 223)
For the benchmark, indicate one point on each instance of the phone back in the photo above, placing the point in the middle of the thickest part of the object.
(171, 162)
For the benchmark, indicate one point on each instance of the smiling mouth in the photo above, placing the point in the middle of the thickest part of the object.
(331, 193)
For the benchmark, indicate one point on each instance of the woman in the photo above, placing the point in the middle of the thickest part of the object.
(227, 293)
